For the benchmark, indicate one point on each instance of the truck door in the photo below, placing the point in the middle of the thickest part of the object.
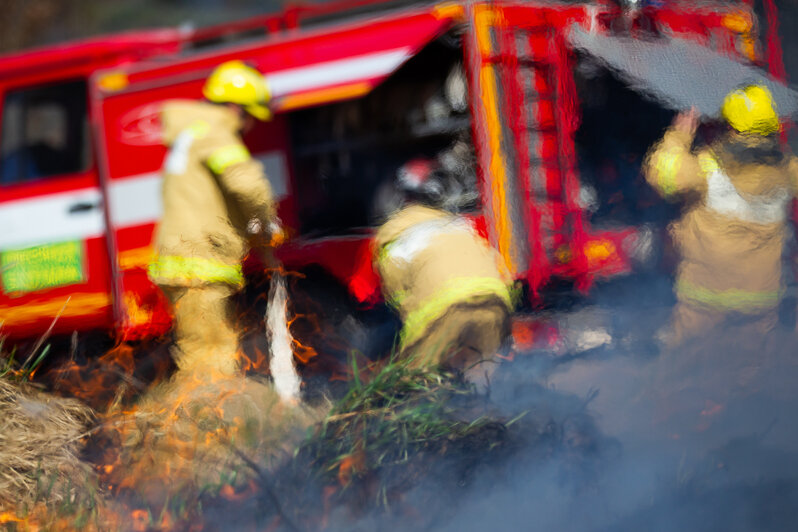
(54, 261)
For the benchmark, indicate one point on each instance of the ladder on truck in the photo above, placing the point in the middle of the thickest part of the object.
(520, 64)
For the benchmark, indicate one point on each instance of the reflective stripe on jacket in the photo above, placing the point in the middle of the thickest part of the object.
(746, 301)
(430, 260)
(417, 237)
(212, 188)
(723, 198)
(454, 291)
(190, 271)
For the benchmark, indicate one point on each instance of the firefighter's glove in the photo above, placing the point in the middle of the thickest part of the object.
(269, 236)
(687, 121)
(254, 227)
(277, 235)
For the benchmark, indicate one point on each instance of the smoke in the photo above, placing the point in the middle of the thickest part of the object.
(696, 439)
(623, 436)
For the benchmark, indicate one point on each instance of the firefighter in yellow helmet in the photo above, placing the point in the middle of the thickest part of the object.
(732, 233)
(214, 195)
(449, 286)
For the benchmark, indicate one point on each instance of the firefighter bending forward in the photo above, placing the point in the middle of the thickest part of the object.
(448, 285)
(213, 192)
(731, 236)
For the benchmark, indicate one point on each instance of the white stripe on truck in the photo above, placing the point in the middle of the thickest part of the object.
(338, 72)
(134, 200)
(47, 219)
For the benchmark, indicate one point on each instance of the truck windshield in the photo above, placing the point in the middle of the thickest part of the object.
(44, 132)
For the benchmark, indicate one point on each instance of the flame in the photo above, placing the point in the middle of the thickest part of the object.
(345, 470)
(710, 410)
(304, 353)
(351, 465)
(523, 335)
(9, 517)
(155, 431)
(229, 493)
(166, 522)
(110, 378)
(256, 365)
(140, 519)
(508, 357)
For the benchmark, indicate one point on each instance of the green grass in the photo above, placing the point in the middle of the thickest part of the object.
(399, 412)
(12, 370)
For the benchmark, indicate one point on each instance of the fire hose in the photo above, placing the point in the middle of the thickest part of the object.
(281, 355)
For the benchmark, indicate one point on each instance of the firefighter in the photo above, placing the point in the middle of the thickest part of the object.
(214, 196)
(449, 286)
(732, 233)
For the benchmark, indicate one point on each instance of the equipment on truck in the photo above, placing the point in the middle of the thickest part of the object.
(356, 88)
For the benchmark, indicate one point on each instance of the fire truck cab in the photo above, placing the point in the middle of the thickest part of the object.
(493, 91)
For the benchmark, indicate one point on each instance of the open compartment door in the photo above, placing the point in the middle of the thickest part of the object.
(680, 73)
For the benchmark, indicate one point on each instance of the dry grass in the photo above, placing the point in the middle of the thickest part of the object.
(40, 438)
(187, 439)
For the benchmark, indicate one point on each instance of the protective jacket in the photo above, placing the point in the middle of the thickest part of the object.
(212, 188)
(731, 236)
(443, 278)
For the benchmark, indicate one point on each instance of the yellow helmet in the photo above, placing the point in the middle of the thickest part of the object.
(751, 110)
(235, 82)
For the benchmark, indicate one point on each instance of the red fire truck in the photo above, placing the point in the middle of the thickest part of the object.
(360, 87)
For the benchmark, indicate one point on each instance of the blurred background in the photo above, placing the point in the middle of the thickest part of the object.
(28, 23)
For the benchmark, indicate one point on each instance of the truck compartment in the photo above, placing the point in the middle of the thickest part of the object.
(345, 155)
(618, 126)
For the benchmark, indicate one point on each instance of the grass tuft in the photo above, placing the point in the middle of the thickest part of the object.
(400, 412)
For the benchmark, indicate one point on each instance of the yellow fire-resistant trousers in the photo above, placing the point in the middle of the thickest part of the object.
(206, 341)
(465, 335)
(689, 321)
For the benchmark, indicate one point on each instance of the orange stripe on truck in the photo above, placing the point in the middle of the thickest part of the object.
(132, 259)
(485, 17)
(71, 306)
(326, 95)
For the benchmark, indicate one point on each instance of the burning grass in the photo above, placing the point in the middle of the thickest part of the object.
(193, 438)
(197, 452)
(398, 429)
(194, 450)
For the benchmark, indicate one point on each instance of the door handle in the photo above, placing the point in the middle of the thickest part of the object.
(82, 206)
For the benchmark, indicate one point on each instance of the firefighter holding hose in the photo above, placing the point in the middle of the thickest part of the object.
(215, 197)
(449, 286)
(731, 236)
